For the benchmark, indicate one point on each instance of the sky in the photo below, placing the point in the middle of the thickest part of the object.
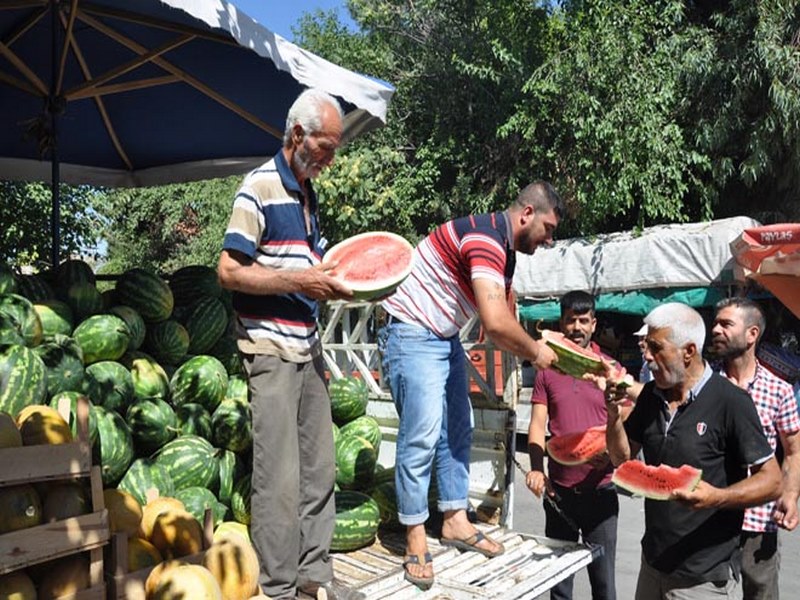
(280, 16)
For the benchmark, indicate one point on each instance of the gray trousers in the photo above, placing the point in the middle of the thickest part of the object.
(292, 502)
(655, 585)
(761, 562)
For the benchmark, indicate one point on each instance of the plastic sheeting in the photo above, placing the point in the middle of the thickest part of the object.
(666, 256)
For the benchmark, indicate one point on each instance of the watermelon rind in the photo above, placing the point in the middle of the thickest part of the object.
(191, 461)
(357, 520)
(144, 474)
(23, 379)
(372, 256)
(113, 449)
(656, 482)
(349, 397)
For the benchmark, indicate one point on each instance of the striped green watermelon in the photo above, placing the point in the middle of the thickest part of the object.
(84, 299)
(146, 293)
(55, 316)
(193, 419)
(382, 474)
(73, 271)
(192, 282)
(198, 499)
(152, 422)
(385, 496)
(109, 296)
(149, 378)
(349, 396)
(355, 462)
(35, 288)
(231, 469)
(10, 331)
(135, 323)
(102, 337)
(232, 426)
(8, 282)
(206, 321)
(335, 434)
(357, 520)
(240, 499)
(20, 310)
(63, 360)
(227, 352)
(202, 380)
(109, 384)
(190, 460)
(167, 341)
(72, 398)
(366, 427)
(22, 379)
(237, 388)
(146, 473)
(114, 447)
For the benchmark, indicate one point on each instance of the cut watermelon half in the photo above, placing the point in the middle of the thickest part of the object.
(578, 447)
(577, 361)
(372, 264)
(655, 482)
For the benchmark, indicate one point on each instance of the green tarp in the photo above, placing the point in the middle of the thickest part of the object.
(638, 302)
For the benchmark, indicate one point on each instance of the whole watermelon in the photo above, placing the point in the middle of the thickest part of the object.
(202, 380)
(146, 293)
(232, 426)
(63, 359)
(167, 341)
(355, 462)
(114, 447)
(102, 337)
(349, 397)
(72, 399)
(357, 520)
(144, 474)
(192, 282)
(135, 323)
(55, 316)
(366, 427)
(35, 288)
(152, 422)
(149, 378)
(190, 461)
(84, 299)
(109, 384)
(240, 499)
(23, 380)
(206, 321)
(193, 419)
(21, 312)
(198, 499)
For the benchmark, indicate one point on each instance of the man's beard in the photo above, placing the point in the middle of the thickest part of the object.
(301, 164)
(731, 349)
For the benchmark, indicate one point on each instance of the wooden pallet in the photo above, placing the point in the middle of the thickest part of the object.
(49, 541)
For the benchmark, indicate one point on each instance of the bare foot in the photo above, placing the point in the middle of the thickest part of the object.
(417, 546)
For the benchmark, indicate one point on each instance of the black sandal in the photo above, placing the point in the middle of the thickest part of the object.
(422, 583)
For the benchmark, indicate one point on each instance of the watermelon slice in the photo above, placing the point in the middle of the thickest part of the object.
(372, 264)
(577, 448)
(577, 362)
(655, 482)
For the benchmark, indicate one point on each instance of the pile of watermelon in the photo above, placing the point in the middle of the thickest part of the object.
(157, 360)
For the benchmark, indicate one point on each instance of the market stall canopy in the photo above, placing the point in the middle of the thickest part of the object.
(632, 272)
(123, 93)
(770, 256)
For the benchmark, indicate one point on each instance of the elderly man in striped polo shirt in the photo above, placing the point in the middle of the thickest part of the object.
(271, 261)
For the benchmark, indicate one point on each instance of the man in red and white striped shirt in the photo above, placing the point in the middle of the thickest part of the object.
(463, 268)
(738, 325)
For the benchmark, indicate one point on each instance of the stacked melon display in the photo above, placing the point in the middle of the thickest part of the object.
(156, 359)
(357, 439)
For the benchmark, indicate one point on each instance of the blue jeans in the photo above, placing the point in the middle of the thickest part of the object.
(428, 379)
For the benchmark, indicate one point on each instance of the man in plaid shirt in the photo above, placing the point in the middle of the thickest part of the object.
(738, 326)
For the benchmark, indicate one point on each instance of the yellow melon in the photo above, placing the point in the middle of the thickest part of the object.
(152, 509)
(42, 425)
(152, 581)
(234, 564)
(17, 586)
(142, 554)
(177, 533)
(227, 527)
(65, 500)
(188, 581)
(124, 511)
(10, 436)
(21, 508)
(65, 576)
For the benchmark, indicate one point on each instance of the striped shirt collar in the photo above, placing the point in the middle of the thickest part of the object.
(290, 182)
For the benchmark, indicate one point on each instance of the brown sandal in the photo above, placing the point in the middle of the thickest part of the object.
(422, 583)
(470, 544)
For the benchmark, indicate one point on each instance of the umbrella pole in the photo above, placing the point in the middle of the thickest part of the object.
(55, 175)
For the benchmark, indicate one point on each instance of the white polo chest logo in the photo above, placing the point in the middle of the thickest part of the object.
(701, 428)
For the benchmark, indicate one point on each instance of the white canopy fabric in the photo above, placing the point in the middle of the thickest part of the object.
(675, 255)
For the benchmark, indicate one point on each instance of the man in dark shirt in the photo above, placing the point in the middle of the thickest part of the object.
(690, 415)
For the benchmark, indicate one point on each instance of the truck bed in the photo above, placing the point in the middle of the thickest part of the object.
(530, 566)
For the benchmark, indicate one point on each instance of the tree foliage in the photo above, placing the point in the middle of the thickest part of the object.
(25, 215)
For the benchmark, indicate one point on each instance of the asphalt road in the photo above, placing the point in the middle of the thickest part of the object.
(529, 518)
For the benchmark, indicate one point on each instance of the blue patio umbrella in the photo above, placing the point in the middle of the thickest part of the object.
(144, 92)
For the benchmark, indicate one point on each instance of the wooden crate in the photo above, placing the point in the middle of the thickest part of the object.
(129, 585)
(50, 541)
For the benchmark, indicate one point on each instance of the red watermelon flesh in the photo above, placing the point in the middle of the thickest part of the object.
(578, 447)
(655, 482)
(372, 264)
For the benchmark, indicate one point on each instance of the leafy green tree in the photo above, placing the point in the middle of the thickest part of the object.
(25, 214)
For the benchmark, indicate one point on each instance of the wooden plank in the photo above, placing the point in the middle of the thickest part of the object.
(30, 464)
(46, 542)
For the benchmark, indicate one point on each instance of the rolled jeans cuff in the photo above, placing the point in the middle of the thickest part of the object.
(417, 519)
(453, 505)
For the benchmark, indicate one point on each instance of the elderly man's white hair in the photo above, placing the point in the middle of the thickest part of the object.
(684, 323)
(307, 110)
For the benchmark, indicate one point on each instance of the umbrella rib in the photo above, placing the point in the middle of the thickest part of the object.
(23, 68)
(117, 88)
(25, 26)
(67, 41)
(86, 88)
(101, 107)
(19, 84)
(186, 77)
